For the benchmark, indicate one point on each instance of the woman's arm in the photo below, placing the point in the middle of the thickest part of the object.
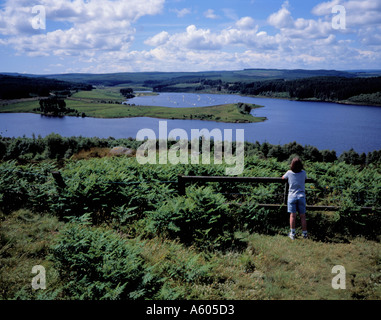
(284, 177)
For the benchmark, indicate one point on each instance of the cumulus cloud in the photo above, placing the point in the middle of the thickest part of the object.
(302, 42)
(158, 40)
(93, 25)
(363, 17)
(358, 12)
(99, 36)
(245, 23)
(243, 33)
(198, 39)
(281, 18)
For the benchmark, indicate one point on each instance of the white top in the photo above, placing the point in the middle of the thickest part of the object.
(296, 182)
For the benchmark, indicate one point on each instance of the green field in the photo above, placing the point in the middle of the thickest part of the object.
(109, 94)
(106, 103)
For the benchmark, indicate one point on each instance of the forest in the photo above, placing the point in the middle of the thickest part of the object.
(332, 89)
(18, 87)
(321, 88)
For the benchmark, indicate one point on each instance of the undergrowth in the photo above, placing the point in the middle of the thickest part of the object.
(119, 230)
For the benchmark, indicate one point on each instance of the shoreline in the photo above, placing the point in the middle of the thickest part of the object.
(225, 113)
(97, 110)
(344, 102)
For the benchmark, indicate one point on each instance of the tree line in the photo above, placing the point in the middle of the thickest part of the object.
(127, 93)
(18, 87)
(56, 107)
(54, 146)
(318, 88)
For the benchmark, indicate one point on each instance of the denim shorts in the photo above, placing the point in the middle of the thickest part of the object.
(296, 204)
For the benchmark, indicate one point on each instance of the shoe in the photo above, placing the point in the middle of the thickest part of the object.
(291, 236)
(305, 236)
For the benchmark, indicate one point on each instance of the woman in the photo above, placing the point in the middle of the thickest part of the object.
(296, 195)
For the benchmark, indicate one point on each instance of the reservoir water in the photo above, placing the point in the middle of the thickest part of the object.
(323, 125)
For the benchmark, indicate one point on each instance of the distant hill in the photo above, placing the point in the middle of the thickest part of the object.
(246, 75)
(355, 86)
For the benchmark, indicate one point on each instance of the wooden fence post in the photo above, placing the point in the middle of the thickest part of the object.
(181, 185)
(285, 195)
(59, 180)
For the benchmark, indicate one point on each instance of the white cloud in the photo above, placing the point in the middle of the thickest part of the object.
(183, 12)
(93, 25)
(210, 14)
(158, 40)
(198, 39)
(99, 36)
(245, 33)
(358, 12)
(245, 23)
(324, 8)
(281, 18)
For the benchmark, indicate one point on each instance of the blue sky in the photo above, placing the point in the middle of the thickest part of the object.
(99, 36)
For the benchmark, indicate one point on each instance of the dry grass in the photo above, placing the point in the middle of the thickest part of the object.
(302, 269)
(91, 153)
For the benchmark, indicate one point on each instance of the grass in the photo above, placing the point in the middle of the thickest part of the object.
(221, 113)
(25, 239)
(271, 267)
(302, 269)
(109, 93)
(105, 103)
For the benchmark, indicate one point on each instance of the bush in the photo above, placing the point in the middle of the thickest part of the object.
(202, 218)
(107, 187)
(98, 264)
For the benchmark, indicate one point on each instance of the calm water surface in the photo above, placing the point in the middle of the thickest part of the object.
(324, 125)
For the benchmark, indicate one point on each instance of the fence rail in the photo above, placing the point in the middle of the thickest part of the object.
(182, 180)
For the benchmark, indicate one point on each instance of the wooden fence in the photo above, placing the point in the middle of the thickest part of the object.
(183, 180)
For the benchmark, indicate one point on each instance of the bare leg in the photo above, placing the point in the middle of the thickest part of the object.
(304, 222)
(292, 220)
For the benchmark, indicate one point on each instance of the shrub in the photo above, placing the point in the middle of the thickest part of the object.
(202, 218)
(99, 264)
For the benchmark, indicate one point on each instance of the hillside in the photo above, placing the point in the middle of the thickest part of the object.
(116, 229)
(18, 87)
(246, 75)
(354, 87)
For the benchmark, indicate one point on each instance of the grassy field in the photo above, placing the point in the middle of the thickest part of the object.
(109, 94)
(271, 267)
(106, 103)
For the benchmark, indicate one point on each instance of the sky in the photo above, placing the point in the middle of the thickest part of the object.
(108, 36)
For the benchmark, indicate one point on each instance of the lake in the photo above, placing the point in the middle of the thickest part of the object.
(323, 125)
